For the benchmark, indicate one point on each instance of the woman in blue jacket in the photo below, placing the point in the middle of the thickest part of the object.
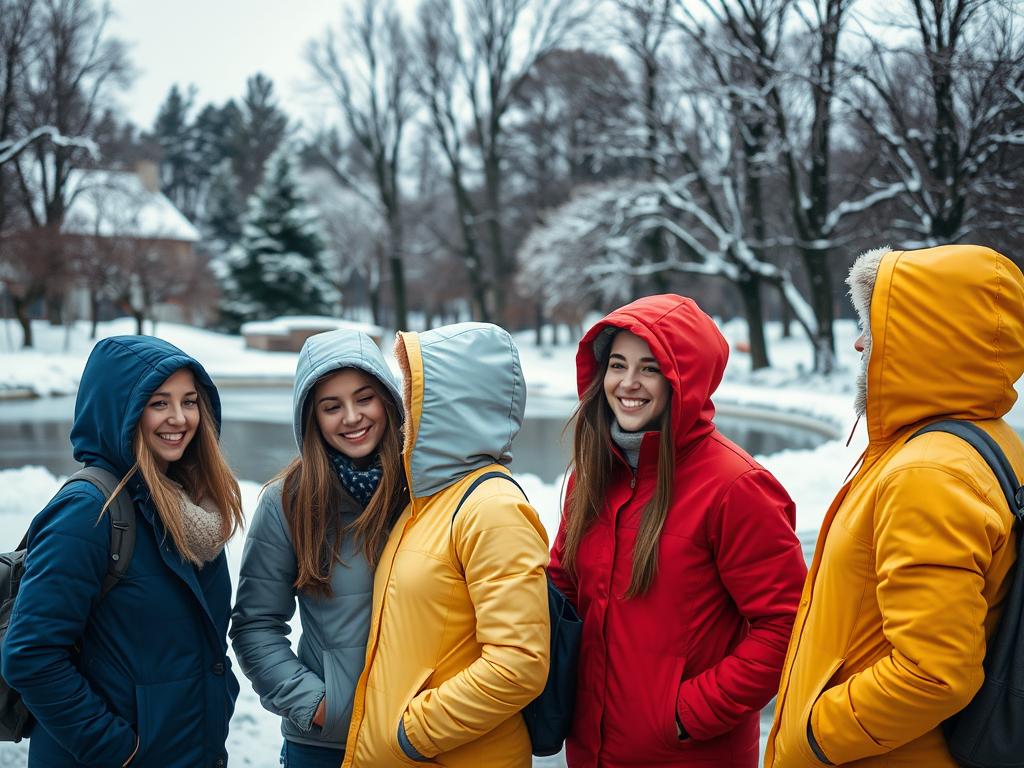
(315, 539)
(150, 683)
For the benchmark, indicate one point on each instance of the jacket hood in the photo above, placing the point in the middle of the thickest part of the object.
(465, 396)
(332, 351)
(947, 337)
(121, 374)
(686, 343)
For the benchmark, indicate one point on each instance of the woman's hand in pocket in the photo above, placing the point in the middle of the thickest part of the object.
(321, 709)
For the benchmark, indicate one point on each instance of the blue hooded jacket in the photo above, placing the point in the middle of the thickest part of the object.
(153, 663)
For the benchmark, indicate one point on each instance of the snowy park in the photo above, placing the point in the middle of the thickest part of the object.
(786, 394)
(236, 180)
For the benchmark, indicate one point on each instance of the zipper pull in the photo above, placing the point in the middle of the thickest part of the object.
(632, 482)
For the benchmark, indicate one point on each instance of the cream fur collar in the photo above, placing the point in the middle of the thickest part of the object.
(861, 280)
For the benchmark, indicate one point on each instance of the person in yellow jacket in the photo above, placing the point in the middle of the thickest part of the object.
(459, 636)
(909, 573)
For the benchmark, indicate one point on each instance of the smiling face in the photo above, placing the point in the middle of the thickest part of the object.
(350, 414)
(634, 386)
(170, 419)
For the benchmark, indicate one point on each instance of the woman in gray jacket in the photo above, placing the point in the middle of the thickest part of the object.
(332, 505)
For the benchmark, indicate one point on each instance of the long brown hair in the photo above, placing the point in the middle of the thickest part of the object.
(311, 497)
(592, 465)
(201, 472)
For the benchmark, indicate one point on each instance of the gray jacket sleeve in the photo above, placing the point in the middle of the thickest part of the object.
(264, 604)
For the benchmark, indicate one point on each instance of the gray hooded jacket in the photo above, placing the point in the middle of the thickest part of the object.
(332, 647)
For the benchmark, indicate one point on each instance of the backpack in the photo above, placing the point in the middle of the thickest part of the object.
(987, 732)
(14, 716)
(548, 718)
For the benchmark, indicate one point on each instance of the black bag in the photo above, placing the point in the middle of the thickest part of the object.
(987, 733)
(14, 716)
(549, 716)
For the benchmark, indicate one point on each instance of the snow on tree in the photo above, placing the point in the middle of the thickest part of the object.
(589, 248)
(279, 267)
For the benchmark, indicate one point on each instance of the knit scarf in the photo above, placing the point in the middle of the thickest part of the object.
(628, 442)
(361, 484)
(202, 525)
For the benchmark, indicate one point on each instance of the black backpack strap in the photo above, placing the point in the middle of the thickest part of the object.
(990, 451)
(122, 523)
(469, 492)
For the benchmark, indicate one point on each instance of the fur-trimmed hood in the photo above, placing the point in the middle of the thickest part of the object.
(944, 335)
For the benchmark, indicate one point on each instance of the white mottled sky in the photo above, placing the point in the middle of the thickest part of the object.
(217, 45)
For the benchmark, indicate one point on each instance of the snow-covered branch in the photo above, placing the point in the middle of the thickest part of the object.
(11, 149)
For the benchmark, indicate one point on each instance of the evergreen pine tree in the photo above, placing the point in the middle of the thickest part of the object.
(225, 208)
(279, 267)
(259, 130)
(173, 133)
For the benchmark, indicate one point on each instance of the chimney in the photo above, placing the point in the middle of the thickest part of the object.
(149, 174)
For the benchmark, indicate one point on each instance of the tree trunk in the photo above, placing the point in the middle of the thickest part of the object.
(21, 310)
(504, 267)
(750, 291)
(397, 271)
(94, 312)
(820, 277)
(787, 318)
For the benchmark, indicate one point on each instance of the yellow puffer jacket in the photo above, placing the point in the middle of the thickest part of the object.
(908, 577)
(459, 638)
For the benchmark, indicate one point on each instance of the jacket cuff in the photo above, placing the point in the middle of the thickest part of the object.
(683, 735)
(406, 745)
(687, 719)
(819, 753)
(304, 721)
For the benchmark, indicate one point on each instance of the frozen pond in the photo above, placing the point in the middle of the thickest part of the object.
(258, 435)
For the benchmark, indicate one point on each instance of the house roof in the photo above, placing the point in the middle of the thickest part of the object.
(117, 204)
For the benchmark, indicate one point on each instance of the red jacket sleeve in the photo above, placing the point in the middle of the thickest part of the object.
(761, 564)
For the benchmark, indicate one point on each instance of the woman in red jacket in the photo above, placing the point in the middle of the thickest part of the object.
(677, 549)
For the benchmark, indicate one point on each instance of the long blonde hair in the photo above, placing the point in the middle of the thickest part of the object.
(592, 465)
(311, 497)
(201, 472)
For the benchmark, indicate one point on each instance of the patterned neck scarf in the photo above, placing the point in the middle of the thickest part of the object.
(360, 483)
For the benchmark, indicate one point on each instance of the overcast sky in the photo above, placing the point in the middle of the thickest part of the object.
(217, 45)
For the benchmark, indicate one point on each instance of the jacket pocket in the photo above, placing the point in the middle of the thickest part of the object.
(342, 668)
(668, 713)
(169, 721)
(800, 727)
(422, 682)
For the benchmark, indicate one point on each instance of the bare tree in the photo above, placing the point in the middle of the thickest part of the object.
(354, 231)
(67, 85)
(367, 69)
(946, 107)
(475, 63)
(789, 83)
(438, 62)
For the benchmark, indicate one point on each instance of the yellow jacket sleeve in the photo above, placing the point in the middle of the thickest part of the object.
(503, 550)
(935, 535)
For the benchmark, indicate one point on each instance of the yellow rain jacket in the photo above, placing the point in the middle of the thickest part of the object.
(459, 638)
(909, 573)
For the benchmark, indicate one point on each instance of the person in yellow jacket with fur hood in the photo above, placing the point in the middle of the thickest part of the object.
(909, 574)
(459, 635)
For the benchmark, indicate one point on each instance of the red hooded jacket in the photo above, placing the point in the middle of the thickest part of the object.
(708, 640)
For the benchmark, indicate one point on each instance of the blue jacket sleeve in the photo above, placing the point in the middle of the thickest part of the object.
(264, 604)
(64, 572)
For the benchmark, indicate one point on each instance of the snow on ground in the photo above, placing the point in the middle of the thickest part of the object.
(811, 476)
